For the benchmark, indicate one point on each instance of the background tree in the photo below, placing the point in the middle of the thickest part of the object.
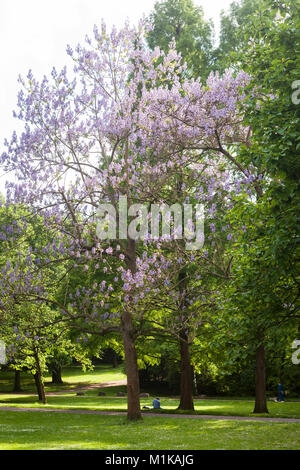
(183, 21)
(267, 275)
(33, 329)
(231, 38)
(273, 62)
(107, 141)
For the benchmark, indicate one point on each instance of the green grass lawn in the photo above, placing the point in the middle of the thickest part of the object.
(35, 430)
(113, 403)
(51, 431)
(73, 377)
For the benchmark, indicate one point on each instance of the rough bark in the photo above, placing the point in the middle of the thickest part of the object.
(186, 380)
(186, 384)
(133, 386)
(260, 381)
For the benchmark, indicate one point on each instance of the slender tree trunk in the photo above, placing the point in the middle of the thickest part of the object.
(56, 374)
(260, 381)
(17, 381)
(186, 384)
(38, 386)
(195, 382)
(115, 360)
(39, 379)
(133, 385)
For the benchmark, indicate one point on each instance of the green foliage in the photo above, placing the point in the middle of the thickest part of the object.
(272, 60)
(261, 303)
(231, 38)
(183, 21)
(33, 328)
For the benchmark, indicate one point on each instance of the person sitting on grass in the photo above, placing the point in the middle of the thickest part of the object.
(156, 403)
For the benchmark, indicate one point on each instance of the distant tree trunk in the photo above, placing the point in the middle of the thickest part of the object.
(39, 379)
(115, 360)
(186, 384)
(56, 374)
(260, 381)
(17, 381)
(195, 382)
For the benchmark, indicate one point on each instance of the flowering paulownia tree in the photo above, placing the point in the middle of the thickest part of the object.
(124, 126)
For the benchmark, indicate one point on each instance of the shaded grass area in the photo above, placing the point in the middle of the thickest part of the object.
(55, 431)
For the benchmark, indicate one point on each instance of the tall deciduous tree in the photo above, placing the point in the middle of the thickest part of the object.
(231, 38)
(268, 266)
(115, 135)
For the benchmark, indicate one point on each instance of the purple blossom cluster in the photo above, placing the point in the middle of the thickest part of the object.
(130, 123)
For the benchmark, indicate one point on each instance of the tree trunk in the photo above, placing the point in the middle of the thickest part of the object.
(195, 382)
(39, 379)
(260, 381)
(56, 374)
(133, 385)
(186, 381)
(115, 360)
(17, 381)
(186, 384)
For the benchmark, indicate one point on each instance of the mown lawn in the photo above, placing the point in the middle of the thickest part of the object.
(57, 431)
(73, 377)
(34, 430)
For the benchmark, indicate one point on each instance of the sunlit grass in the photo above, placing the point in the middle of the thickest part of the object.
(35, 430)
(45, 431)
(73, 377)
(104, 373)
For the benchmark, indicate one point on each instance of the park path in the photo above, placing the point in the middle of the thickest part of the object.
(113, 383)
(164, 415)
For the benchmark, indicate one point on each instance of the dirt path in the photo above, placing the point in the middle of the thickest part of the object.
(113, 383)
(165, 415)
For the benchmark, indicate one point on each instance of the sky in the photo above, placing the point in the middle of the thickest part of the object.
(34, 35)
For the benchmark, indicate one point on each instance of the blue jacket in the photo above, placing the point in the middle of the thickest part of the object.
(156, 403)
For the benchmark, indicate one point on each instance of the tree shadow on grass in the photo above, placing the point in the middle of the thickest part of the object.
(42, 431)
